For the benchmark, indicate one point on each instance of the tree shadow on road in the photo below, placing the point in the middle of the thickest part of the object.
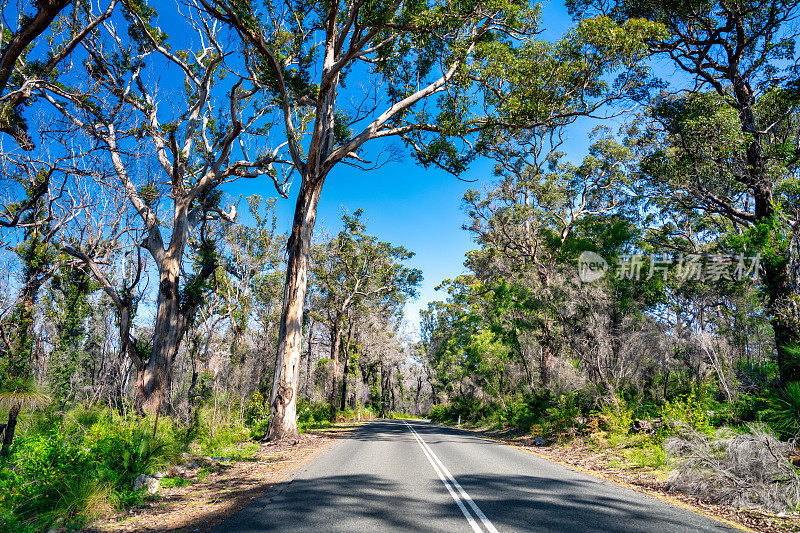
(519, 502)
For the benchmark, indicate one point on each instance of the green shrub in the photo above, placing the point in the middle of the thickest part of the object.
(468, 409)
(783, 414)
(691, 410)
(521, 412)
(217, 440)
(78, 466)
(646, 454)
(256, 415)
(562, 417)
(255, 410)
(440, 413)
(61, 477)
(122, 451)
(49, 467)
(308, 413)
(618, 417)
(748, 407)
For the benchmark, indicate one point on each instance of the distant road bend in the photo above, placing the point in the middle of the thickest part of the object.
(416, 476)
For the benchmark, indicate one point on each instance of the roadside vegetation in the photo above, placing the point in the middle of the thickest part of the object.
(644, 299)
(700, 446)
(69, 467)
(640, 295)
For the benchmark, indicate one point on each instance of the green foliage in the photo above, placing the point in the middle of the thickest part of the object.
(618, 417)
(399, 416)
(142, 28)
(690, 410)
(199, 284)
(78, 466)
(466, 409)
(221, 430)
(69, 308)
(169, 482)
(440, 413)
(309, 414)
(522, 413)
(224, 439)
(648, 453)
(256, 415)
(783, 414)
(526, 412)
(149, 194)
(748, 407)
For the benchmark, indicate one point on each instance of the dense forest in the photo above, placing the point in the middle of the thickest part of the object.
(643, 295)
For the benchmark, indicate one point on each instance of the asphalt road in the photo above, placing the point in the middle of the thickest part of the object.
(417, 476)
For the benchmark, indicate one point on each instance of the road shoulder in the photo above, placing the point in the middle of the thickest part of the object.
(579, 457)
(219, 489)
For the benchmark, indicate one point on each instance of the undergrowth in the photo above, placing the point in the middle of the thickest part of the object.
(652, 434)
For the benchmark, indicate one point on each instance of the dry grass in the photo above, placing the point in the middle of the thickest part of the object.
(609, 463)
(745, 470)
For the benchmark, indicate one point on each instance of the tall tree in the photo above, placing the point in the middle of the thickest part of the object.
(536, 219)
(440, 71)
(734, 136)
(109, 100)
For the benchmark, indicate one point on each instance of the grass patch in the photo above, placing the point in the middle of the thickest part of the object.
(203, 473)
(170, 482)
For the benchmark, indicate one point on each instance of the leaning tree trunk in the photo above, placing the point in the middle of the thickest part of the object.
(283, 404)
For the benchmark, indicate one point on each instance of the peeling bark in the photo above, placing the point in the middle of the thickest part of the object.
(283, 404)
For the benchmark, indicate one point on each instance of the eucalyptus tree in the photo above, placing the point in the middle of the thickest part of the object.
(724, 143)
(540, 216)
(441, 76)
(355, 270)
(19, 72)
(194, 150)
(248, 288)
(445, 329)
(253, 257)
